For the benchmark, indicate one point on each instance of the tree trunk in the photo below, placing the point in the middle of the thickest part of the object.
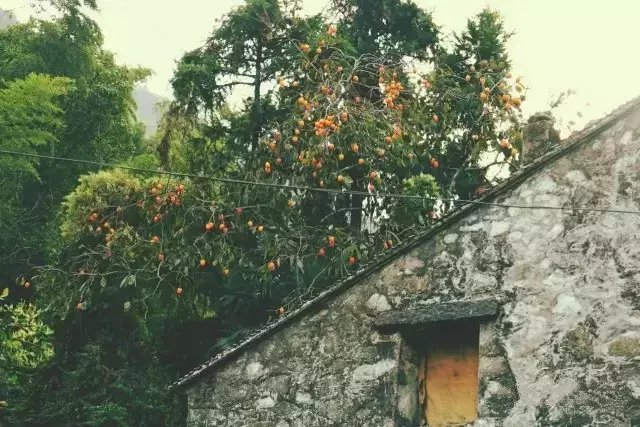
(256, 120)
(163, 149)
(164, 146)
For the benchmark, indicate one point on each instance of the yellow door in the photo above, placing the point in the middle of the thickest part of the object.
(451, 374)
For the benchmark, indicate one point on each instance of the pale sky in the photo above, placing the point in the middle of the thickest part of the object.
(586, 45)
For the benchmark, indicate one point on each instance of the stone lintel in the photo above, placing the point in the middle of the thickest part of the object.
(439, 312)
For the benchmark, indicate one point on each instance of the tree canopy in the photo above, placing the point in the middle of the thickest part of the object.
(92, 118)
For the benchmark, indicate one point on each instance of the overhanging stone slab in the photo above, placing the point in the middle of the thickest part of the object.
(440, 312)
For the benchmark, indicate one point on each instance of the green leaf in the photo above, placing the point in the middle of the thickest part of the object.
(5, 293)
(209, 314)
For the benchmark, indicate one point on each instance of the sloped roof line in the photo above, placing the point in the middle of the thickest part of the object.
(569, 144)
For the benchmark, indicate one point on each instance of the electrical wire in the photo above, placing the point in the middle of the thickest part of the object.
(305, 188)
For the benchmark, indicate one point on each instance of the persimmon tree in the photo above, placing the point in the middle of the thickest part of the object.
(367, 148)
(439, 124)
(247, 253)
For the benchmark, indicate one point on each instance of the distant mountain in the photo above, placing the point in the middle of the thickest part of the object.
(6, 19)
(147, 108)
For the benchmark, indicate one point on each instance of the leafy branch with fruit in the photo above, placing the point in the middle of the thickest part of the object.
(359, 126)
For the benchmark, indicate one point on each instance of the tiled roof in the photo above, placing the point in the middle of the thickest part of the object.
(592, 129)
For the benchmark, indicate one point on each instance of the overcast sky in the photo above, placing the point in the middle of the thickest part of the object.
(586, 45)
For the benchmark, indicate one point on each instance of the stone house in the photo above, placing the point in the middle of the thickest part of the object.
(494, 317)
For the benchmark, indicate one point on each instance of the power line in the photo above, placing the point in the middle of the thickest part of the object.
(304, 188)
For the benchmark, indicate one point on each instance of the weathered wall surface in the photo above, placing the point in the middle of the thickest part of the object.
(564, 352)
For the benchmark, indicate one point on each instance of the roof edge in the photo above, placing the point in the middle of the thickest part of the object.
(566, 146)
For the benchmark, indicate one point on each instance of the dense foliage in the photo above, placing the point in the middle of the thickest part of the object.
(61, 94)
(30, 116)
(96, 121)
(24, 344)
(145, 275)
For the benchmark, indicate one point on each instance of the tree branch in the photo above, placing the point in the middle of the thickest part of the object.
(341, 211)
(234, 83)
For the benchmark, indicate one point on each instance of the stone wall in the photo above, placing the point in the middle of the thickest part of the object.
(565, 350)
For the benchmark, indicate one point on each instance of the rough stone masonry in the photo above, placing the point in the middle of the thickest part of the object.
(563, 351)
